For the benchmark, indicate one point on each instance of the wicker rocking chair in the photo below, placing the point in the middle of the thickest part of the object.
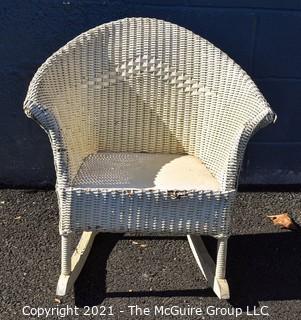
(148, 124)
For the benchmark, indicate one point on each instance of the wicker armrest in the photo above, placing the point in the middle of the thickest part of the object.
(46, 120)
(229, 128)
(67, 158)
(235, 155)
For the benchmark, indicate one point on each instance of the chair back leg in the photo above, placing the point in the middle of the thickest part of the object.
(65, 255)
(221, 258)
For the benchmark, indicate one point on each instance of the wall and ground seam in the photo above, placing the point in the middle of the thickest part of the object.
(262, 36)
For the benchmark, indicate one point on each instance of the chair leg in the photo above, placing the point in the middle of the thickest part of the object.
(220, 285)
(65, 255)
(214, 273)
(71, 266)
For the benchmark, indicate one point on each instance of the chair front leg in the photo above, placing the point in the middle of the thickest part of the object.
(220, 285)
(72, 265)
(214, 273)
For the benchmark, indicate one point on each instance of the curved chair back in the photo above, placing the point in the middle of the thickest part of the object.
(146, 85)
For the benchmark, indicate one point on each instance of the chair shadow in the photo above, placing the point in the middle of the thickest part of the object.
(264, 267)
(90, 286)
(260, 267)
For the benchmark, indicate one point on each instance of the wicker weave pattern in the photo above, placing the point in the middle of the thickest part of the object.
(145, 85)
(174, 212)
(122, 170)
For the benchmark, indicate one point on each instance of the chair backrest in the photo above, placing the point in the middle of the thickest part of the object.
(143, 85)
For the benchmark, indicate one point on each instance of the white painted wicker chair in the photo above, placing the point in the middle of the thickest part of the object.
(148, 123)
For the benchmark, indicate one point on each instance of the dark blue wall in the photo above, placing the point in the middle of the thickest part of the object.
(262, 36)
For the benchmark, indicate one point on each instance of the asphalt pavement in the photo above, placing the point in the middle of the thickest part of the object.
(142, 277)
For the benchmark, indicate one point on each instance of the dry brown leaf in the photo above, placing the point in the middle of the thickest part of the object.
(57, 301)
(143, 245)
(135, 242)
(283, 220)
(18, 217)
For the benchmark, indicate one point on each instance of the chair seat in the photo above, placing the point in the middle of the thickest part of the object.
(122, 170)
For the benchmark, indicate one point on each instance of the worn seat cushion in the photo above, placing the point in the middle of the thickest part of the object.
(122, 170)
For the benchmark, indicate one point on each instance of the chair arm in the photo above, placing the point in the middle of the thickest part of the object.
(66, 161)
(232, 157)
(47, 121)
